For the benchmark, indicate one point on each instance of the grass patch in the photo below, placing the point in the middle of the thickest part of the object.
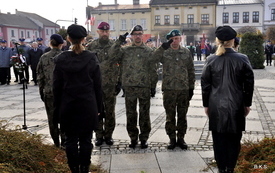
(23, 152)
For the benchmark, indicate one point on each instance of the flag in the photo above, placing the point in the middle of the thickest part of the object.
(88, 15)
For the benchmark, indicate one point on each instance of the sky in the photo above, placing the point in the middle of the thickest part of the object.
(57, 10)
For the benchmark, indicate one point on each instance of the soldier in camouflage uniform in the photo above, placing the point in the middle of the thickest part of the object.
(45, 79)
(139, 80)
(177, 86)
(110, 72)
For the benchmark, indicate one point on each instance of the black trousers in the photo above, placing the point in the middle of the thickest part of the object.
(268, 59)
(226, 149)
(4, 75)
(78, 148)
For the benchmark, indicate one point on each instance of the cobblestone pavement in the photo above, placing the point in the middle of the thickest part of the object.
(260, 122)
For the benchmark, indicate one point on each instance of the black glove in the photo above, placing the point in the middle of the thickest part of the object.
(153, 92)
(166, 45)
(42, 95)
(118, 88)
(191, 93)
(122, 38)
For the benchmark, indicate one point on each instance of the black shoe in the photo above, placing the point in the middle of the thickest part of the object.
(143, 144)
(99, 141)
(172, 144)
(181, 143)
(16, 80)
(133, 144)
(109, 141)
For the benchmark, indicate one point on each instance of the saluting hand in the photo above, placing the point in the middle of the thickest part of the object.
(166, 45)
(122, 38)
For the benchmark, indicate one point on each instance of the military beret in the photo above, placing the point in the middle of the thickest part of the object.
(39, 39)
(149, 40)
(57, 38)
(76, 31)
(136, 28)
(173, 33)
(103, 26)
(21, 39)
(225, 33)
(3, 41)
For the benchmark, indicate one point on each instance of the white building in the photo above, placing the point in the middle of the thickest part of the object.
(269, 13)
(240, 13)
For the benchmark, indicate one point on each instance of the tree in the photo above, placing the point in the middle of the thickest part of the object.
(246, 29)
(63, 33)
(270, 34)
(252, 46)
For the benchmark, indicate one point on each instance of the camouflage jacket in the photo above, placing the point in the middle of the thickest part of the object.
(45, 71)
(108, 65)
(137, 68)
(178, 68)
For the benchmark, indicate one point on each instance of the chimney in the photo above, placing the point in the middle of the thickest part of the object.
(135, 2)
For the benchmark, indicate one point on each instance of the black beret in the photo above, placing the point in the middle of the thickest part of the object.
(76, 31)
(225, 33)
(57, 38)
(22, 39)
(136, 28)
(103, 26)
(173, 33)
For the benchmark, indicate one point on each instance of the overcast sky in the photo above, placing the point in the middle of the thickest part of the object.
(54, 10)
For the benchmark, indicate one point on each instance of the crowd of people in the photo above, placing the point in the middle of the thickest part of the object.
(79, 88)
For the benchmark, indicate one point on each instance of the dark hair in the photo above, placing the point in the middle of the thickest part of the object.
(54, 43)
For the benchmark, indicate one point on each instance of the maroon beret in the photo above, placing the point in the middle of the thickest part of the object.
(103, 26)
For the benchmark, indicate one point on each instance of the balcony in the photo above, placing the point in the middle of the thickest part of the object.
(190, 26)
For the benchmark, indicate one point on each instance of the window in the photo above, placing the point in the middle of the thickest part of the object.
(166, 19)
(28, 34)
(133, 22)
(157, 8)
(272, 14)
(12, 33)
(143, 23)
(123, 24)
(51, 31)
(166, 8)
(190, 18)
(205, 19)
(236, 17)
(255, 16)
(176, 8)
(22, 34)
(47, 32)
(112, 24)
(176, 19)
(245, 17)
(36, 34)
(225, 18)
(157, 20)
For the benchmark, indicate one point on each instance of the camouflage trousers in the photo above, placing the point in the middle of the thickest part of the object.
(107, 125)
(176, 102)
(54, 130)
(142, 95)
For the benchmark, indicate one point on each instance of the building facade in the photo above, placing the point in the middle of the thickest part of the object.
(27, 25)
(269, 14)
(239, 13)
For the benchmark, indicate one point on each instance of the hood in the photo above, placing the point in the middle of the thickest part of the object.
(71, 62)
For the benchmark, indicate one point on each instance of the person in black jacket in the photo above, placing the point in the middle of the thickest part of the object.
(269, 50)
(227, 83)
(34, 57)
(77, 98)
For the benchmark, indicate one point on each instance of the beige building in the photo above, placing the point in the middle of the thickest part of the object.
(191, 17)
(122, 18)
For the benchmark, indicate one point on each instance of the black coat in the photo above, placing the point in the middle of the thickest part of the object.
(34, 57)
(77, 91)
(227, 83)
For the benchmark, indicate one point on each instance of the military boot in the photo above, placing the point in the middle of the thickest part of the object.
(74, 169)
(172, 144)
(181, 143)
(99, 141)
(133, 144)
(222, 171)
(143, 144)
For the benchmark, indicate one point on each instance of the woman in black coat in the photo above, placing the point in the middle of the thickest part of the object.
(227, 85)
(77, 98)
